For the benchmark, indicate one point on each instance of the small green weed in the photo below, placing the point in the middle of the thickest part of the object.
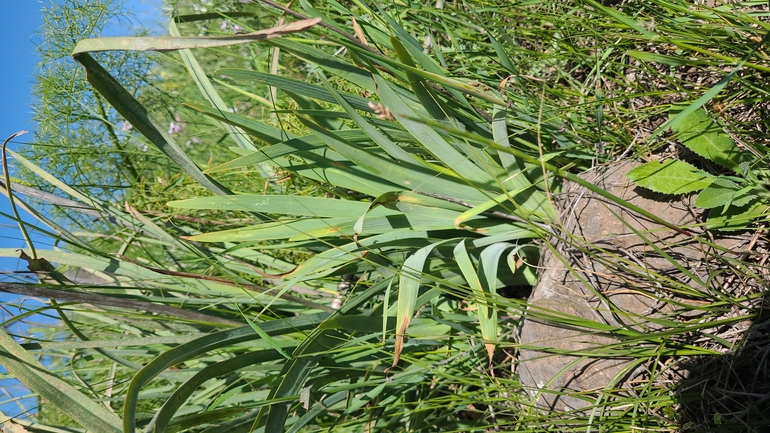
(735, 200)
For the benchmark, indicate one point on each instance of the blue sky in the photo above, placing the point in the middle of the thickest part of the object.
(18, 33)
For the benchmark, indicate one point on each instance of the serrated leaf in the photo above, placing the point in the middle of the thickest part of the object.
(721, 192)
(701, 134)
(670, 177)
(749, 194)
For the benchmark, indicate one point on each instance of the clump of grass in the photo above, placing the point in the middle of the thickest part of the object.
(360, 206)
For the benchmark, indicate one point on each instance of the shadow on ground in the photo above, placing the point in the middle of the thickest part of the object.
(730, 393)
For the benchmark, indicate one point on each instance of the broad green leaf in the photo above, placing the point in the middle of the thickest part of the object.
(721, 192)
(700, 102)
(28, 370)
(485, 308)
(670, 177)
(737, 218)
(750, 194)
(701, 134)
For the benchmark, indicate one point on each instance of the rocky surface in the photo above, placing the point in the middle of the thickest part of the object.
(608, 266)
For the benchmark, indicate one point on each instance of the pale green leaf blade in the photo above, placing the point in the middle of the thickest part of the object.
(277, 204)
(304, 358)
(302, 88)
(625, 19)
(267, 133)
(663, 59)
(412, 178)
(500, 134)
(296, 146)
(736, 218)
(202, 345)
(379, 138)
(210, 93)
(167, 411)
(360, 78)
(166, 43)
(408, 288)
(421, 90)
(428, 137)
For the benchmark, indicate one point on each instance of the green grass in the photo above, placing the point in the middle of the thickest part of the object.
(427, 171)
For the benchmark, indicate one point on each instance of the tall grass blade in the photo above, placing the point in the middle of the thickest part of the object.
(80, 408)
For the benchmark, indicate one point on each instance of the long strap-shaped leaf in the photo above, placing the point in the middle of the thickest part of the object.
(134, 112)
(170, 43)
(81, 409)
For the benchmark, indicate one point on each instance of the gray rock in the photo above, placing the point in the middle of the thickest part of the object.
(604, 272)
